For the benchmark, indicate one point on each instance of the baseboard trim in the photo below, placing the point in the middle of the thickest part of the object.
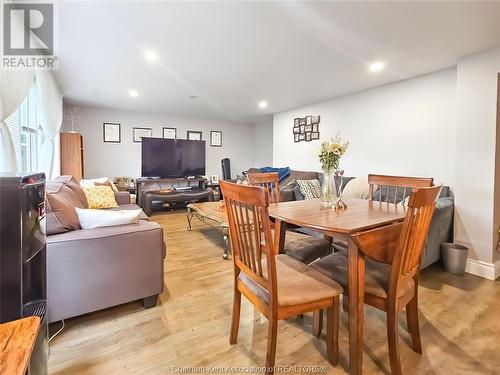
(490, 271)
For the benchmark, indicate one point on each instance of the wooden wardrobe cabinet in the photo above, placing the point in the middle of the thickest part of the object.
(72, 155)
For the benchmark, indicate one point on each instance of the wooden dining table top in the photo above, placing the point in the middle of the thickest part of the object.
(360, 215)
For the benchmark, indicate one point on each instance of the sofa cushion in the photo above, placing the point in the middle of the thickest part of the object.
(71, 182)
(100, 197)
(60, 211)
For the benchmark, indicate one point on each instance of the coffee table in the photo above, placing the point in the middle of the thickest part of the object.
(210, 213)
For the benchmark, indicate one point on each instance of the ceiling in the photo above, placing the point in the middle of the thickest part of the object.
(231, 55)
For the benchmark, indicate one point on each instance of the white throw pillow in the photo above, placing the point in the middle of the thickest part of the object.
(102, 180)
(91, 218)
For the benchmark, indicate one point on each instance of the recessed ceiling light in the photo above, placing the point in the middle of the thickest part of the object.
(133, 93)
(263, 104)
(96, 93)
(151, 56)
(193, 96)
(376, 66)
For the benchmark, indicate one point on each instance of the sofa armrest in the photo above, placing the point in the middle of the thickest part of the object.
(287, 194)
(122, 197)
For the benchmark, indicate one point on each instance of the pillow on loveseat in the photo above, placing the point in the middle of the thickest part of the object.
(100, 197)
(310, 189)
(71, 182)
(60, 211)
(90, 219)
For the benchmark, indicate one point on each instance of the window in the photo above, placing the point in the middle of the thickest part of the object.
(24, 129)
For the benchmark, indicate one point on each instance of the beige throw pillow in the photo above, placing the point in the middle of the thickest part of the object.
(310, 189)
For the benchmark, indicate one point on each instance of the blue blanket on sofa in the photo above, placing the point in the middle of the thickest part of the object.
(282, 172)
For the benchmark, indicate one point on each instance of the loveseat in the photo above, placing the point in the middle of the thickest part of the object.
(93, 269)
(440, 231)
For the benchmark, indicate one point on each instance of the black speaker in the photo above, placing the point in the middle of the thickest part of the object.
(226, 169)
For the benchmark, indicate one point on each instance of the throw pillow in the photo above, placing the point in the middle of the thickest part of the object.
(100, 197)
(101, 180)
(60, 211)
(309, 188)
(71, 182)
(90, 219)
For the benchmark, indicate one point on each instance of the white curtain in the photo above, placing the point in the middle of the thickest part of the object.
(50, 118)
(14, 86)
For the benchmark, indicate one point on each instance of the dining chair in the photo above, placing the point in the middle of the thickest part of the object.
(279, 286)
(300, 246)
(394, 189)
(392, 256)
(388, 189)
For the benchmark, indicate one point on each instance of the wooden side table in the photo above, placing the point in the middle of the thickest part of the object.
(17, 339)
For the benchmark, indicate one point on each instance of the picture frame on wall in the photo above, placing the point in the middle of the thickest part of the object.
(138, 133)
(216, 138)
(308, 128)
(315, 119)
(296, 137)
(169, 133)
(193, 135)
(111, 132)
(314, 135)
(308, 137)
(308, 120)
(296, 121)
(314, 127)
(296, 129)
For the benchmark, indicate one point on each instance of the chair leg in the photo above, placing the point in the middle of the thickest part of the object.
(235, 320)
(332, 328)
(272, 332)
(317, 322)
(392, 335)
(412, 322)
(345, 303)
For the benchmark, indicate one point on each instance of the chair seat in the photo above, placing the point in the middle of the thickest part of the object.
(306, 248)
(376, 274)
(297, 283)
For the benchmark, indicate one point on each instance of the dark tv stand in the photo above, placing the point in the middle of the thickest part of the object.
(155, 189)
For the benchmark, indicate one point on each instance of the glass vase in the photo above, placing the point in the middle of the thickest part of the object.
(328, 189)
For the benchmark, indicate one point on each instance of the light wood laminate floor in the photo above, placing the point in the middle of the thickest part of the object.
(460, 323)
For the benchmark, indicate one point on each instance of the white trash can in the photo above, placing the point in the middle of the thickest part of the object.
(454, 257)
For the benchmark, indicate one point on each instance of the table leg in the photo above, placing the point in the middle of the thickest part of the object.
(189, 218)
(279, 237)
(356, 274)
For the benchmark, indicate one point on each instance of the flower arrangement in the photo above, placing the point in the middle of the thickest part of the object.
(330, 153)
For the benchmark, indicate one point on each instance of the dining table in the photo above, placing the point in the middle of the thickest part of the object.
(359, 216)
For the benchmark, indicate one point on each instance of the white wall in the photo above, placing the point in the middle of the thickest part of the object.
(263, 142)
(405, 128)
(124, 159)
(476, 221)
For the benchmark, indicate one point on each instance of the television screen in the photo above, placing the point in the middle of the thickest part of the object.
(175, 158)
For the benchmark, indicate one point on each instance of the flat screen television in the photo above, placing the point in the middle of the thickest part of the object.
(172, 158)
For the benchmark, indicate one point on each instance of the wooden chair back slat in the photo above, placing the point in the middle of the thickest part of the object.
(268, 180)
(395, 183)
(418, 218)
(250, 233)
